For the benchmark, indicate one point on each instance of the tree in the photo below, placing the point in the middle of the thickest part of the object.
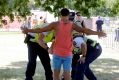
(11, 7)
(115, 8)
(52, 6)
(21, 7)
(105, 8)
(5, 8)
(85, 7)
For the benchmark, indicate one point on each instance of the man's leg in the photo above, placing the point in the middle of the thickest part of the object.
(79, 75)
(67, 62)
(89, 74)
(74, 64)
(56, 74)
(67, 75)
(57, 62)
(31, 66)
(45, 60)
(91, 56)
(100, 28)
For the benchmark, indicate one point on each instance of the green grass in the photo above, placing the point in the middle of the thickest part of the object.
(17, 72)
(104, 69)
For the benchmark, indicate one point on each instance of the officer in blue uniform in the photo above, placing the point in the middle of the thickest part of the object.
(80, 69)
(34, 50)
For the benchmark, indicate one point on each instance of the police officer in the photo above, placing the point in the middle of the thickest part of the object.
(34, 50)
(93, 52)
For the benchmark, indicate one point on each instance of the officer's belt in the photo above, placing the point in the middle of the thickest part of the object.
(91, 42)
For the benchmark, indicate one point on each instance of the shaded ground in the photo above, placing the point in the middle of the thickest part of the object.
(13, 60)
(105, 69)
(16, 71)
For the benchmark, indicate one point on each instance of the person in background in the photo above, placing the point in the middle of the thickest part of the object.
(35, 21)
(29, 23)
(62, 53)
(41, 20)
(99, 24)
(45, 21)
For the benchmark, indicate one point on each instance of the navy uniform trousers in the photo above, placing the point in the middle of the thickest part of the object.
(79, 70)
(34, 50)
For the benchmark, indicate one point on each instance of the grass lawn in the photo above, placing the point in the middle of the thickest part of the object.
(13, 60)
(16, 71)
(104, 69)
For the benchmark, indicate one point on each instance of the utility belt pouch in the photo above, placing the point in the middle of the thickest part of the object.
(27, 38)
(91, 43)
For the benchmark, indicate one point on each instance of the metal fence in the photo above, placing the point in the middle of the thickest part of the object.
(112, 30)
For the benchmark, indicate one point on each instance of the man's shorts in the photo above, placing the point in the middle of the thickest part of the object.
(79, 41)
(58, 61)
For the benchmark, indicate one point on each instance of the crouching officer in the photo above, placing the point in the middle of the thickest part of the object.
(80, 69)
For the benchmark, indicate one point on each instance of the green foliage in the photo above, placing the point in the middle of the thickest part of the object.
(107, 8)
(5, 9)
(85, 7)
(23, 8)
(53, 6)
(9, 7)
(115, 8)
(101, 10)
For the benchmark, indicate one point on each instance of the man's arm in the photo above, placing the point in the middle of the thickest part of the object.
(39, 30)
(87, 31)
(51, 47)
(41, 42)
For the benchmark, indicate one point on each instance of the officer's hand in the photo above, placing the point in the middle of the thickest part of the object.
(50, 51)
(82, 60)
